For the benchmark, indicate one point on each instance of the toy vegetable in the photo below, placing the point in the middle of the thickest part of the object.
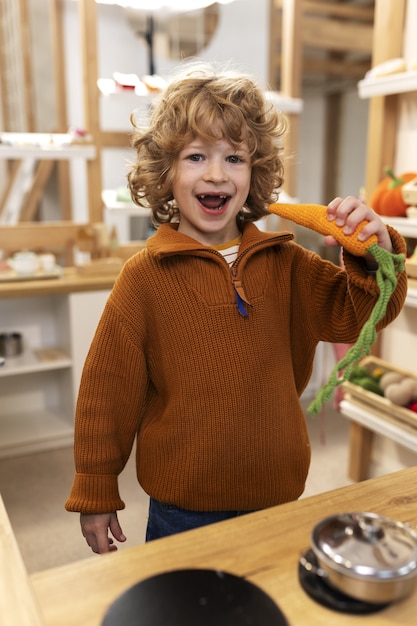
(387, 198)
(367, 380)
(314, 216)
(399, 389)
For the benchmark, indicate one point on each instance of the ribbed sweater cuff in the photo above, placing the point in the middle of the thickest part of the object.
(93, 493)
(356, 267)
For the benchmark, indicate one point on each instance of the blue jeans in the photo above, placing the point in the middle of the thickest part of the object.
(168, 519)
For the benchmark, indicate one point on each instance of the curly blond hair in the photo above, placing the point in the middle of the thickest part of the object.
(201, 103)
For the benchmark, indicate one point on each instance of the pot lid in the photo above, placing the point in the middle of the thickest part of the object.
(366, 545)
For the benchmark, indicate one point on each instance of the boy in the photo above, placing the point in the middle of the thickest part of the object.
(207, 340)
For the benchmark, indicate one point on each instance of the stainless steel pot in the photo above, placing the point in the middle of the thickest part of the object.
(10, 344)
(366, 556)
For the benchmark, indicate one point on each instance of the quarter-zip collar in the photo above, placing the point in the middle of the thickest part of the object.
(169, 242)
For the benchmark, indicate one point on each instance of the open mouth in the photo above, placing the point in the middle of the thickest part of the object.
(213, 202)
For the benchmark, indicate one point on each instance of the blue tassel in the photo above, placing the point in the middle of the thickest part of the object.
(241, 305)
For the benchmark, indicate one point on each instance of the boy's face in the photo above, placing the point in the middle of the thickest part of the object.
(211, 185)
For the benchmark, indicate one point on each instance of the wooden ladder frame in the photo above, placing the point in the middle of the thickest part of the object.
(25, 209)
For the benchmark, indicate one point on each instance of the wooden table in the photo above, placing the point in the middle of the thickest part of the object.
(263, 546)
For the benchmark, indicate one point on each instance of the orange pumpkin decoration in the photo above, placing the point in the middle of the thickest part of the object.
(387, 198)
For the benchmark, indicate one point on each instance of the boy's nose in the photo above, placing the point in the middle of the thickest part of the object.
(215, 172)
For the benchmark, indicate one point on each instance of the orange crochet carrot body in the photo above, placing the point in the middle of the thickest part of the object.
(314, 216)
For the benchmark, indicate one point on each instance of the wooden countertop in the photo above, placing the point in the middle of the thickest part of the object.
(263, 546)
(17, 602)
(70, 281)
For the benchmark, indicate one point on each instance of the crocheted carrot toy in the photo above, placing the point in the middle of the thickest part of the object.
(314, 216)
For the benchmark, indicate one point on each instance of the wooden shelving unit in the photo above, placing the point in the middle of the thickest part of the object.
(384, 94)
(38, 393)
(389, 17)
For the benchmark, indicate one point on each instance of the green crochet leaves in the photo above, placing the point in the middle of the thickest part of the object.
(389, 265)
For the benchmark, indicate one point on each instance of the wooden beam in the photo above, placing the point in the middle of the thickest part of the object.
(89, 46)
(27, 87)
(338, 68)
(63, 167)
(5, 109)
(382, 125)
(338, 35)
(343, 10)
(40, 236)
(291, 72)
(33, 197)
(115, 139)
(329, 67)
(37, 234)
(360, 451)
(333, 114)
(13, 170)
(292, 20)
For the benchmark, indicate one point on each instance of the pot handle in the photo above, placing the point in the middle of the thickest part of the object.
(311, 567)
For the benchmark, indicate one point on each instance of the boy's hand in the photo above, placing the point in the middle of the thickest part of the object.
(349, 212)
(95, 530)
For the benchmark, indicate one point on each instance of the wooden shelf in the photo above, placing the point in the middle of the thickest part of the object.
(406, 226)
(55, 153)
(283, 103)
(402, 82)
(400, 433)
(44, 146)
(116, 207)
(32, 431)
(28, 363)
(70, 282)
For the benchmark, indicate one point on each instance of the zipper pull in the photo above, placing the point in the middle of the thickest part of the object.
(241, 298)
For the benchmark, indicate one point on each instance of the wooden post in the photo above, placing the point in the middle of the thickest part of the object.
(333, 114)
(291, 73)
(5, 107)
(27, 87)
(382, 125)
(31, 200)
(360, 450)
(88, 30)
(61, 104)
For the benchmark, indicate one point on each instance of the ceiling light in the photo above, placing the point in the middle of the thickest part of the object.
(168, 6)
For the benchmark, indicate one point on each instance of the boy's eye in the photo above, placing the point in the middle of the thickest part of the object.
(195, 157)
(233, 158)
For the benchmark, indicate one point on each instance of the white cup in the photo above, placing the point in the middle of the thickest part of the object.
(48, 262)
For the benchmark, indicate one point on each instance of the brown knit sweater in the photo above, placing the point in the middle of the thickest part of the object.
(211, 395)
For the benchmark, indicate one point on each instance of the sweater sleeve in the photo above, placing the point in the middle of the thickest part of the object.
(112, 391)
(341, 300)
